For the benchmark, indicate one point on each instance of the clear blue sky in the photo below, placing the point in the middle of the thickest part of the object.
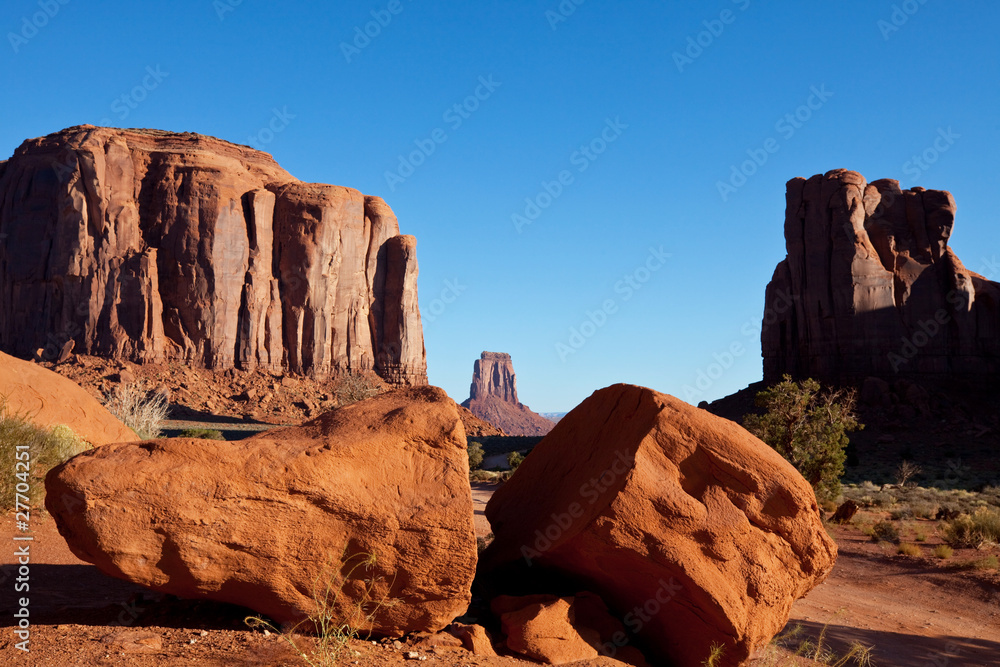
(223, 68)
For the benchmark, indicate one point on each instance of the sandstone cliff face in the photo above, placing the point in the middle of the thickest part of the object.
(152, 246)
(493, 397)
(871, 288)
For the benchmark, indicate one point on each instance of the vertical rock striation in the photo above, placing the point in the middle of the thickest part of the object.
(152, 246)
(870, 287)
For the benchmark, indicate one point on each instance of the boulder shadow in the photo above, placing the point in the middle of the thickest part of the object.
(898, 649)
(83, 595)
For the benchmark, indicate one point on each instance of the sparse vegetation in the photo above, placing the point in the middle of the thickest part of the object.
(142, 411)
(987, 563)
(46, 448)
(486, 476)
(885, 531)
(337, 618)
(906, 471)
(809, 428)
(973, 530)
(943, 551)
(202, 433)
(715, 652)
(476, 455)
(907, 549)
(355, 386)
(922, 502)
(857, 654)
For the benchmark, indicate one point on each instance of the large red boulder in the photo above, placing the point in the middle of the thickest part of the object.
(48, 399)
(267, 522)
(693, 530)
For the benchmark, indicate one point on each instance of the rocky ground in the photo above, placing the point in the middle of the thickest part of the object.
(198, 396)
(914, 610)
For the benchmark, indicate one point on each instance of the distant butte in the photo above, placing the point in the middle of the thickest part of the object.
(493, 397)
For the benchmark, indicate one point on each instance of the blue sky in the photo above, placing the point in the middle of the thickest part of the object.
(666, 97)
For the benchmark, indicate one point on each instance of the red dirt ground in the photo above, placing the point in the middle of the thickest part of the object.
(915, 611)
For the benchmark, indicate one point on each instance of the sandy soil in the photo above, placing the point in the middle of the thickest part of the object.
(915, 611)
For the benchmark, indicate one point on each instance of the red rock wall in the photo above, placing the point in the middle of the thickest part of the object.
(154, 246)
(870, 287)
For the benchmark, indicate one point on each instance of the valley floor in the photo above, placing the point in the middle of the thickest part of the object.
(914, 610)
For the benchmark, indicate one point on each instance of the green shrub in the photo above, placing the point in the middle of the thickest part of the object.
(142, 411)
(973, 531)
(943, 551)
(809, 428)
(202, 433)
(885, 531)
(514, 459)
(476, 455)
(39, 449)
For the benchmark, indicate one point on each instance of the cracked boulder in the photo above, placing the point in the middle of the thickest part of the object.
(371, 500)
(692, 530)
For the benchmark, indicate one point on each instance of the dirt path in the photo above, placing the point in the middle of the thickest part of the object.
(914, 611)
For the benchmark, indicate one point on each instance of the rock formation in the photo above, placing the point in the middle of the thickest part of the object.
(260, 521)
(48, 399)
(493, 397)
(559, 630)
(871, 288)
(694, 530)
(151, 246)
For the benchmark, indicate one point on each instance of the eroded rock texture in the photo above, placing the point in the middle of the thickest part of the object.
(493, 397)
(149, 246)
(870, 287)
(668, 512)
(269, 522)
